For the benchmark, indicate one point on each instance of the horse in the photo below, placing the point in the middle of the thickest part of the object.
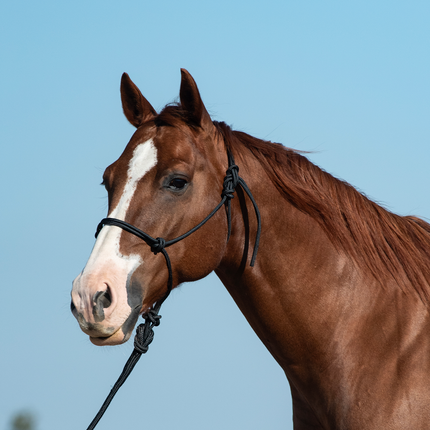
(338, 291)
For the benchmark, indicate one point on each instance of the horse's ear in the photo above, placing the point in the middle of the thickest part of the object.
(191, 101)
(136, 108)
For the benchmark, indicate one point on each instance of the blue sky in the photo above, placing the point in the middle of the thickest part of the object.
(348, 81)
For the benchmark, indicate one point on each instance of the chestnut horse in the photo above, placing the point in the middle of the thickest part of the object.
(339, 291)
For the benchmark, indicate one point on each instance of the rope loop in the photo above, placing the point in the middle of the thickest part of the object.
(158, 245)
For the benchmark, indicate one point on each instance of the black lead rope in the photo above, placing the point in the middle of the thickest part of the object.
(144, 332)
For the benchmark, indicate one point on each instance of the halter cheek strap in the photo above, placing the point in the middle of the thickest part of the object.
(144, 333)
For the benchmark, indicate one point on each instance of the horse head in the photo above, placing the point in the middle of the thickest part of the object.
(169, 177)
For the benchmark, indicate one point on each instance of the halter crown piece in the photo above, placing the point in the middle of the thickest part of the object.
(144, 332)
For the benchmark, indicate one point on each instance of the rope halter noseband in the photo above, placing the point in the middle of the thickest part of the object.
(144, 333)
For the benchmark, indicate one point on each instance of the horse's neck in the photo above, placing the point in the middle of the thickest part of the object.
(296, 275)
(293, 295)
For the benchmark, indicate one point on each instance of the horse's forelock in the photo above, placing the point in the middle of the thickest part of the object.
(173, 115)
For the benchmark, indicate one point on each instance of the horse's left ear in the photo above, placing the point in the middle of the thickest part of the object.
(191, 101)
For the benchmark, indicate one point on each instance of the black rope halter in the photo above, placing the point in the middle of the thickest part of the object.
(144, 332)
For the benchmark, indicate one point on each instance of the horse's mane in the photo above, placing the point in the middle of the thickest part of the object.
(380, 242)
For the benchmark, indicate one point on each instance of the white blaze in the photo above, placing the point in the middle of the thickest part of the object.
(107, 244)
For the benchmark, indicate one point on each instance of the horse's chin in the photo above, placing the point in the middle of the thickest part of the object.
(122, 334)
(115, 339)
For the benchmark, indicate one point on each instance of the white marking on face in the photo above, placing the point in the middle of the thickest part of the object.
(144, 158)
(106, 264)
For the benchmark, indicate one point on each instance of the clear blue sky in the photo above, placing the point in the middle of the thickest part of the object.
(348, 80)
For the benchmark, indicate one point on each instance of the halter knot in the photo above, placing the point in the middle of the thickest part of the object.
(153, 317)
(231, 181)
(158, 245)
(144, 336)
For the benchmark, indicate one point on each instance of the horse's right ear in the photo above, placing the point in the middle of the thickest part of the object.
(136, 108)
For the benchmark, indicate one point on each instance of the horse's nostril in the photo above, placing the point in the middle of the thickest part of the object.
(72, 307)
(101, 300)
(106, 299)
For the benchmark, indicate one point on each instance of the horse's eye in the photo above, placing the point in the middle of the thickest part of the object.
(178, 184)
